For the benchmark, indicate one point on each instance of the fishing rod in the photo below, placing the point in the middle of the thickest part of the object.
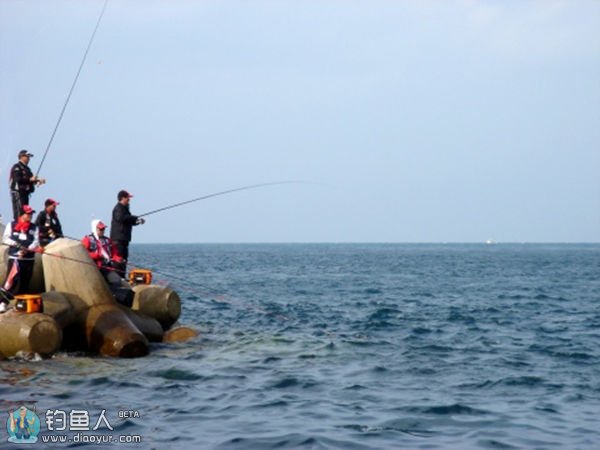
(72, 88)
(229, 191)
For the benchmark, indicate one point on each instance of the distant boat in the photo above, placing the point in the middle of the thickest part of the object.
(490, 241)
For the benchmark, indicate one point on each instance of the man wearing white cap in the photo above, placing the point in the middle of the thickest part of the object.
(104, 253)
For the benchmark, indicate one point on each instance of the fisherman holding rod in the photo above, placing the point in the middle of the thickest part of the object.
(22, 183)
(22, 179)
(123, 221)
(21, 236)
(120, 227)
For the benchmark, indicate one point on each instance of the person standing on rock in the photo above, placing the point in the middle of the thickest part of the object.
(21, 237)
(49, 226)
(120, 227)
(22, 183)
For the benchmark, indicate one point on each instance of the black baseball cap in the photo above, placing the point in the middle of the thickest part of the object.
(25, 153)
(123, 194)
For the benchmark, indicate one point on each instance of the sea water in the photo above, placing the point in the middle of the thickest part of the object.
(348, 346)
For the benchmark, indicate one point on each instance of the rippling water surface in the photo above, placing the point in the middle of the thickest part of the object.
(353, 347)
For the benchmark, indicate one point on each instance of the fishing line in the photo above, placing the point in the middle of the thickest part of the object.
(93, 264)
(229, 191)
(217, 296)
(72, 88)
(67, 258)
(209, 292)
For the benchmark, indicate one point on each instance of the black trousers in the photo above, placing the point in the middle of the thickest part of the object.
(122, 294)
(18, 275)
(112, 277)
(123, 251)
(19, 199)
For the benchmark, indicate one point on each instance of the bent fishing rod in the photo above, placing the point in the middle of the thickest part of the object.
(229, 191)
(72, 88)
(204, 197)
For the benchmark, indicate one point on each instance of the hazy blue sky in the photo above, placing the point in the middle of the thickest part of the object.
(445, 121)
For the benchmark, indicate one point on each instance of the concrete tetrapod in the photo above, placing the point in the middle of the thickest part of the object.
(159, 302)
(58, 306)
(149, 326)
(109, 332)
(107, 329)
(22, 332)
(179, 334)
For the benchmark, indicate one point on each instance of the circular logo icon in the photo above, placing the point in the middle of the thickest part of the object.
(23, 426)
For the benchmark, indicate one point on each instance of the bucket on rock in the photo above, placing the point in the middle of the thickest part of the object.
(28, 303)
(140, 276)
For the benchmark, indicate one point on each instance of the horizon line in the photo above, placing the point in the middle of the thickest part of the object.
(376, 243)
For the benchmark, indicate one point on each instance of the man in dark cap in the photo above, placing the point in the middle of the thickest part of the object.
(49, 226)
(120, 227)
(22, 183)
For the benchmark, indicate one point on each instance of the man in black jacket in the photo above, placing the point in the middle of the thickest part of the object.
(120, 227)
(22, 183)
(49, 226)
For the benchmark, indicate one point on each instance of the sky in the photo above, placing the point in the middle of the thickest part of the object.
(414, 121)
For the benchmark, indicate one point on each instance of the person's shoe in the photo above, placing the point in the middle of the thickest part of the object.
(5, 296)
(3, 307)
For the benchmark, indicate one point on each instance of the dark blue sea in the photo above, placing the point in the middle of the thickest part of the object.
(346, 346)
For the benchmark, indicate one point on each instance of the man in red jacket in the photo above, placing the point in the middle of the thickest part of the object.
(104, 253)
(21, 237)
